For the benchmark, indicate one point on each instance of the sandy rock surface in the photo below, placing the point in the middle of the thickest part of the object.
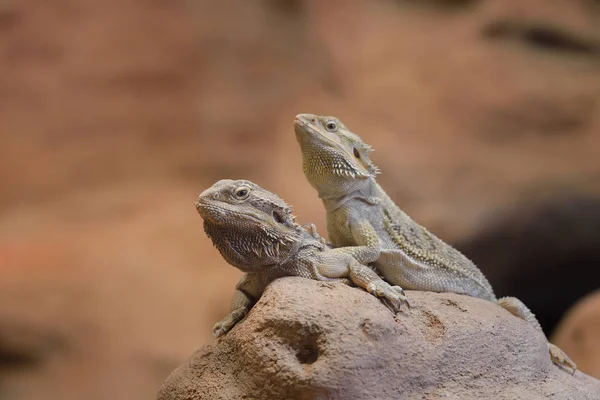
(315, 340)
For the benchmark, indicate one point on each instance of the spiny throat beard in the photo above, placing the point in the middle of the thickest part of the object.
(257, 244)
(325, 164)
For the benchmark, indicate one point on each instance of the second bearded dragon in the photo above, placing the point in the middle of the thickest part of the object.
(336, 163)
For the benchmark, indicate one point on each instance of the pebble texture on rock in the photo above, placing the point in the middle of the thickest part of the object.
(318, 340)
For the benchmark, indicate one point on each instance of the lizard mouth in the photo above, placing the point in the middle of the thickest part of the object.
(210, 211)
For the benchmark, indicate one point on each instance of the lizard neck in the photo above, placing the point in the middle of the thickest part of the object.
(366, 192)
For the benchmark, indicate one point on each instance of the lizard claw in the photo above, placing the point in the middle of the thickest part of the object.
(559, 357)
(219, 329)
(392, 296)
(402, 295)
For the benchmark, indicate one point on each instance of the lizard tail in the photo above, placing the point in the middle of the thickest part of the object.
(518, 309)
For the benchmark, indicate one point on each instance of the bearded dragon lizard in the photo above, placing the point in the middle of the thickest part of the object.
(336, 163)
(255, 231)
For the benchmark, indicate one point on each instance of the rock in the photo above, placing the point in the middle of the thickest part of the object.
(579, 332)
(319, 340)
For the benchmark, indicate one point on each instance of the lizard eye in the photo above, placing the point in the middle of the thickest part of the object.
(242, 192)
(331, 126)
(356, 153)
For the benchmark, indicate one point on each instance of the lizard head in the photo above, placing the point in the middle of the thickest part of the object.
(334, 159)
(249, 225)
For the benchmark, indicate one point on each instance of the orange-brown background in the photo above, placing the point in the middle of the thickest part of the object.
(115, 114)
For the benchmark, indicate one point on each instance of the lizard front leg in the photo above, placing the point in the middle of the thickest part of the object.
(338, 263)
(367, 249)
(247, 292)
(392, 296)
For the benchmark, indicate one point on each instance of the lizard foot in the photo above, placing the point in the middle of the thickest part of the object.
(312, 230)
(559, 357)
(225, 325)
(392, 296)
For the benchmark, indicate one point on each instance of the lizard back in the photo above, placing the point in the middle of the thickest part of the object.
(422, 246)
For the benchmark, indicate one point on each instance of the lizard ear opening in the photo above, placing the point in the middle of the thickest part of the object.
(278, 217)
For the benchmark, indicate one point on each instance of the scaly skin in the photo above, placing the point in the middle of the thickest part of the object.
(336, 163)
(255, 231)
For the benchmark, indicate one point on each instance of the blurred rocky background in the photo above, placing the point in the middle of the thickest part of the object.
(115, 114)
